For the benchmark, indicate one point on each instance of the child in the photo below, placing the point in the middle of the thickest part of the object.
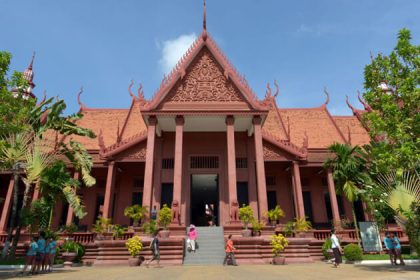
(51, 248)
(230, 251)
(154, 245)
(30, 255)
(40, 255)
(397, 249)
(389, 246)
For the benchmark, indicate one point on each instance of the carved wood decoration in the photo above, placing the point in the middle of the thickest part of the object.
(137, 153)
(204, 82)
(272, 153)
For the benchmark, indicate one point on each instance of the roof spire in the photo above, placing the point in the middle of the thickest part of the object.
(32, 61)
(204, 16)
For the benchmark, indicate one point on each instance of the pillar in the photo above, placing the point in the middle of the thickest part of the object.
(333, 199)
(148, 170)
(109, 190)
(259, 159)
(298, 191)
(179, 133)
(231, 159)
(157, 176)
(7, 205)
(70, 212)
(252, 186)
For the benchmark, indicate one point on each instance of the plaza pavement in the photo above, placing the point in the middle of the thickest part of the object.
(254, 272)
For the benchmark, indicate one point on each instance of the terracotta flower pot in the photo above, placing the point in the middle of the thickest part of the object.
(134, 261)
(68, 258)
(279, 260)
(246, 233)
(256, 233)
(164, 233)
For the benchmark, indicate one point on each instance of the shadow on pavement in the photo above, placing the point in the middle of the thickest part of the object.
(15, 274)
(390, 268)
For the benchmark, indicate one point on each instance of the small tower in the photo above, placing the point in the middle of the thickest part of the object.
(28, 75)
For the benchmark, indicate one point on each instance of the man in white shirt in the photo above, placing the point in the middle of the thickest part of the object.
(335, 246)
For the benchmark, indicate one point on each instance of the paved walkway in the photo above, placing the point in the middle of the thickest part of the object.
(254, 272)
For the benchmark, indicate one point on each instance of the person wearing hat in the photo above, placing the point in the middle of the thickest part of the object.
(192, 237)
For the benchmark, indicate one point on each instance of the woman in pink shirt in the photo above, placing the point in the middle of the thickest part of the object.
(192, 237)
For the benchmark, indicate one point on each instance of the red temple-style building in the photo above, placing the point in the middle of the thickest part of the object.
(206, 138)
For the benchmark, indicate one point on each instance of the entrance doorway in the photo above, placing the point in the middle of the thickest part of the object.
(204, 190)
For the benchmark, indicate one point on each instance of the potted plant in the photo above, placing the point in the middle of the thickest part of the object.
(150, 227)
(70, 251)
(279, 242)
(246, 215)
(136, 213)
(301, 227)
(69, 229)
(118, 231)
(134, 246)
(102, 228)
(274, 215)
(165, 219)
(256, 227)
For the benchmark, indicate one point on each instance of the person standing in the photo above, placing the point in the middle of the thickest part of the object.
(192, 237)
(230, 251)
(397, 249)
(335, 246)
(154, 245)
(40, 255)
(389, 246)
(153, 214)
(31, 254)
(51, 248)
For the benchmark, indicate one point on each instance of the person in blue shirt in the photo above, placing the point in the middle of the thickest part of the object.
(390, 247)
(397, 249)
(30, 254)
(51, 249)
(40, 256)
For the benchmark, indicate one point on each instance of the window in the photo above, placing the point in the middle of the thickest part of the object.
(199, 162)
(242, 193)
(241, 163)
(271, 199)
(167, 194)
(168, 163)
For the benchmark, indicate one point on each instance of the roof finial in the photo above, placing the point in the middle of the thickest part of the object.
(129, 90)
(204, 16)
(328, 98)
(277, 89)
(32, 61)
(82, 106)
(365, 105)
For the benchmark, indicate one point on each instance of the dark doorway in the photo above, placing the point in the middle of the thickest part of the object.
(307, 204)
(271, 199)
(242, 192)
(167, 194)
(358, 209)
(204, 190)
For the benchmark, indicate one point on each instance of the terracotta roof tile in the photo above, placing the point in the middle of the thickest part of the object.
(134, 122)
(273, 125)
(358, 134)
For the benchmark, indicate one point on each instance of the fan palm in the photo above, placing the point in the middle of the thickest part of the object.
(348, 166)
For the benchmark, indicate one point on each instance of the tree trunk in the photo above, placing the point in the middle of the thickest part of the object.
(13, 215)
(26, 198)
(356, 227)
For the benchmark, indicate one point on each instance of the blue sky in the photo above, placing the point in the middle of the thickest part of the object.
(102, 45)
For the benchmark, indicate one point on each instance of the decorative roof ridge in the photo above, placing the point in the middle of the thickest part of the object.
(274, 104)
(295, 109)
(179, 71)
(335, 125)
(286, 145)
(342, 117)
(81, 105)
(105, 109)
(356, 112)
(324, 105)
(122, 145)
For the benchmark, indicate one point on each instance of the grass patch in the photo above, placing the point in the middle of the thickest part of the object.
(16, 261)
(375, 257)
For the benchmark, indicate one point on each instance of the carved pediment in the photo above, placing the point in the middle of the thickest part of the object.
(204, 83)
(273, 153)
(137, 153)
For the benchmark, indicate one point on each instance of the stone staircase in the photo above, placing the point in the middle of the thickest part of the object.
(211, 247)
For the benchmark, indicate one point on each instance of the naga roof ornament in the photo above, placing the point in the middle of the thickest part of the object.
(324, 105)
(365, 105)
(81, 105)
(130, 92)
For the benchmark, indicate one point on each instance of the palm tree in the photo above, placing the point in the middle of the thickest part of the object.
(348, 165)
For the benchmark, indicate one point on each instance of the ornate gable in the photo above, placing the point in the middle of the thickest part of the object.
(135, 153)
(204, 84)
(273, 153)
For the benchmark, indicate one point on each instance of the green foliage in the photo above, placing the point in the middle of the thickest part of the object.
(326, 247)
(73, 247)
(279, 242)
(69, 229)
(150, 227)
(257, 225)
(395, 118)
(353, 252)
(297, 225)
(134, 245)
(289, 228)
(165, 216)
(102, 225)
(118, 231)
(135, 212)
(412, 227)
(275, 214)
(246, 215)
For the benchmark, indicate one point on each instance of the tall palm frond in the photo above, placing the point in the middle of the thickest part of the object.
(81, 160)
(14, 149)
(70, 193)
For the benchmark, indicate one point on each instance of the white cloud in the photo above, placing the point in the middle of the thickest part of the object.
(172, 50)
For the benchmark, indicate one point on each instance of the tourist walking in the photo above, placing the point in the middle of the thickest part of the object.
(335, 246)
(389, 246)
(154, 245)
(50, 256)
(192, 238)
(31, 254)
(230, 254)
(397, 249)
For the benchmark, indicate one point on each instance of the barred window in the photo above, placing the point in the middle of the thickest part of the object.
(241, 163)
(168, 163)
(270, 180)
(199, 162)
(138, 182)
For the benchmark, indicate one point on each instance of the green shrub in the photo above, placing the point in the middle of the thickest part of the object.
(353, 252)
(325, 247)
(150, 227)
(74, 247)
(246, 215)
(165, 216)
